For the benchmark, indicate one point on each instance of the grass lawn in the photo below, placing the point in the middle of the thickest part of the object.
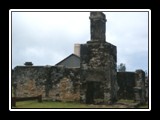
(143, 106)
(126, 101)
(47, 104)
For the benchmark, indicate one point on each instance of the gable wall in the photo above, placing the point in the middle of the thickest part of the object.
(71, 62)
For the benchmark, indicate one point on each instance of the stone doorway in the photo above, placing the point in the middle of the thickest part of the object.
(93, 92)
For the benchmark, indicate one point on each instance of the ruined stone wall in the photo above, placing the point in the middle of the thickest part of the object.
(147, 88)
(55, 83)
(98, 64)
(126, 83)
(132, 85)
(140, 90)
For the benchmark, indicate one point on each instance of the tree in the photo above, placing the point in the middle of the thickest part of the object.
(121, 67)
(146, 73)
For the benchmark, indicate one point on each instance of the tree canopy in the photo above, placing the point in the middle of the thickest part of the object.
(121, 67)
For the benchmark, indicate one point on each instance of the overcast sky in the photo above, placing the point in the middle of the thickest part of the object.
(45, 38)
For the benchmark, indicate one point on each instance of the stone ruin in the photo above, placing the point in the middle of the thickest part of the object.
(96, 78)
(98, 64)
(132, 86)
(53, 83)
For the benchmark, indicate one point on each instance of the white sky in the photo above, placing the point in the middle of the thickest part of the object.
(45, 38)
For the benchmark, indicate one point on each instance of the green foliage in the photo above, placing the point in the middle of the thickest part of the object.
(121, 67)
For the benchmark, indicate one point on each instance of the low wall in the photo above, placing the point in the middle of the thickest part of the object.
(55, 83)
(126, 83)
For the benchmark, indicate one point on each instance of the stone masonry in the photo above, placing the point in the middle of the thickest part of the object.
(140, 90)
(96, 79)
(132, 86)
(55, 83)
(126, 83)
(98, 64)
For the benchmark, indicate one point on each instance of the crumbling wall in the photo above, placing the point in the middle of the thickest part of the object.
(140, 90)
(98, 64)
(132, 85)
(56, 83)
(126, 83)
(147, 88)
(28, 81)
(67, 88)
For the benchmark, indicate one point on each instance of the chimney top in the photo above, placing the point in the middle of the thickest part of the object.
(28, 63)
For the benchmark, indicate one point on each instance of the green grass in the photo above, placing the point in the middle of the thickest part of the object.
(143, 106)
(47, 104)
(125, 101)
(35, 104)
